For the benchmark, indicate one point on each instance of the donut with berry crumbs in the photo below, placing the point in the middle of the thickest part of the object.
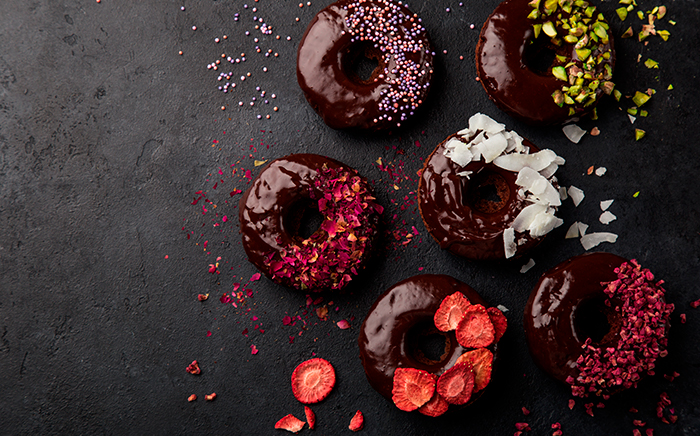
(339, 37)
(486, 193)
(545, 61)
(412, 312)
(271, 211)
(597, 322)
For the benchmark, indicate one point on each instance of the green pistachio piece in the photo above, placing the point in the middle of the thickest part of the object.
(639, 134)
(589, 11)
(643, 113)
(673, 23)
(561, 58)
(549, 30)
(636, 194)
(607, 55)
(580, 3)
(594, 85)
(643, 34)
(632, 111)
(574, 90)
(640, 98)
(550, 6)
(534, 14)
(662, 12)
(558, 97)
(536, 28)
(572, 112)
(571, 39)
(640, 14)
(535, 4)
(622, 13)
(617, 94)
(583, 42)
(650, 63)
(556, 41)
(630, 8)
(560, 73)
(583, 53)
(608, 87)
(670, 87)
(594, 114)
(601, 32)
(664, 34)
(628, 33)
(625, 2)
(581, 97)
(568, 100)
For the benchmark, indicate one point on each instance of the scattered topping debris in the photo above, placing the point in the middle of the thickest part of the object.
(525, 268)
(290, 423)
(202, 297)
(313, 380)
(591, 240)
(607, 217)
(210, 397)
(573, 132)
(193, 368)
(600, 171)
(192, 398)
(576, 195)
(357, 422)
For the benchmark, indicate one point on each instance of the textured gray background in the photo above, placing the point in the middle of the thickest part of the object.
(106, 135)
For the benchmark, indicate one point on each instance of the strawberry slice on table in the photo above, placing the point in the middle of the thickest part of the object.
(481, 361)
(451, 311)
(499, 321)
(310, 417)
(412, 388)
(475, 330)
(435, 407)
(456, 384)
(290, 423)
(313, 380)
(357, 422)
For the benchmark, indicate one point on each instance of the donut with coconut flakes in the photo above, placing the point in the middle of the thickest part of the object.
(486, 193)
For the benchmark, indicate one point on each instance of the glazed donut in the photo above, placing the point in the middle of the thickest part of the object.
(621, 344)
(383, 30)
(400, 317)
(453, 192)
(513, 56)
(269, 215)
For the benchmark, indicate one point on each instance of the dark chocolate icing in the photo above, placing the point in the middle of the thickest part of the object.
(264, 209)
(342, 98)
(551, 311)
(510, 83)
(382, 341)
(452, 218)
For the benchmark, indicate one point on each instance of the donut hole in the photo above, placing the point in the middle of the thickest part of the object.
(427, 344)
(303, 219)
(487, 192)
(363, 62)
(595, 320)
(539, 56)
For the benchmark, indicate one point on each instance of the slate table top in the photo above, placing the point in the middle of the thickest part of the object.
(117, 170)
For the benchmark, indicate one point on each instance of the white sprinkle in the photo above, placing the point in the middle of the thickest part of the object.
(525, 268)
(573, 132)
(607, 217)
(605, 204)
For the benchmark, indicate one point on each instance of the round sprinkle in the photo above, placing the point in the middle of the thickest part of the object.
(182, 8)
(216, 40)
(275, 108)
(194, 27)
(180, 52)
(223, 108)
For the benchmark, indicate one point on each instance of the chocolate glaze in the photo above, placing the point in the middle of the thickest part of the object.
(265, 206)
(341, 98)
(507, 79)
(551, 311)
(455, 221)
(401, 308)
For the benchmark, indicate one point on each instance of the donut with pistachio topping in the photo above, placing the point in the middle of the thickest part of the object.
(333, 48)
(546, 61)
(598, 322)
(271, 213)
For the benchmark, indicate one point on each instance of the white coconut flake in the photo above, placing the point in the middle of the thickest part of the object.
(562, 193)
(479, 121)
(544, 223)
(573, 132)
(493, 147)
(572, 232)
(502, 308)
(605, 204)
(632, 119)
(576, 195)
(600, 171)
(607, 217)
(525, 268)
(465, 174)
(540, 187)
(594, 239)
(537, 161)
(527, 216)
(582, 228)
(509, 242)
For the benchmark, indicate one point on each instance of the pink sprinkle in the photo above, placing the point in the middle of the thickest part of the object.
(522, 426)
(253, 349)
(236, 286)
(212, 268)
(208, 333)
(255, 277)
(343, 324)
(525, 411)
(225, 218)
(572, 403)
(254, 318)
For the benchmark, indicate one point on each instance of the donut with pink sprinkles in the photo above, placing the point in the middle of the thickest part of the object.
(335, 70)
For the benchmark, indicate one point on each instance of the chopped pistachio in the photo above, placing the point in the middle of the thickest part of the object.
(622, 13)
(534, 14)
(548, 28)
(673, 23)
(640, 14)
(630, 8)
(583, 53)
(643, 113)
(628, 33)
(650, 63)
(558, 97)
(560, 73)
(594, 116)
(568, 100)
(572, 112)
(589, 11)
(617, 94)
(639, 134)
(599, 30)
(536, 28)
(535, 4)
(625, 2)
(550, 6)
(632, 110)
(636, 194)
(561, 58)
(608, 87)
(653, 11)
(670, 87)
(662, 12)
(640, 98)
(664, 34)
(571, 39)
(642, 35)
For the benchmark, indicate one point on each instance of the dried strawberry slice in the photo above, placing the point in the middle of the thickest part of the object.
(481, 361)
(456, 384)
(435, 407)
(499, 321)
(310, 417)
(412, 388)
(290, 423)
(475, 330)
(357, 422)
(451, 311)
(313, 380)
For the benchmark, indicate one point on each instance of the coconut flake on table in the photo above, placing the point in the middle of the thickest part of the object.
(600, 171)
(562, 193)
(594, 239)
(576, 195)
(582, 228)
(607, 217)
(605, 204)
(525, 268)
(502, 308)
(572, 232)
(573, 132)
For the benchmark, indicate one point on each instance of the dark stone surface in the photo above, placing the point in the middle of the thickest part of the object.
(106, 137)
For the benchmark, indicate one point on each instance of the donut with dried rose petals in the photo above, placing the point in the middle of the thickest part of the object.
(270, 214)
(598, 322)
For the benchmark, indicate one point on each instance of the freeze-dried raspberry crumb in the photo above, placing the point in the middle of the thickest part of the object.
(357, 422)
(193, 368)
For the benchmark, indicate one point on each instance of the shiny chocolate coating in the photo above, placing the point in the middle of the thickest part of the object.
(452, 218)
(510, 83)
(383, 336)
(551, 311)
(396, 87)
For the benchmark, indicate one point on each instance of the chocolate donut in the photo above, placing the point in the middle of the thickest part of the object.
(545, 62)
(598, 323)
(400, 316)
(346, 31)
(270, 212)
(454, 198)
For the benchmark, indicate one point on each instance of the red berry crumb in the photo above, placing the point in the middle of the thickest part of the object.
(290, 423)
(210, 397)
(357, 422)
(193, 368)
(310, 417)
(192, 398)
(451, 311)
(313, 380)
(412, 388)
